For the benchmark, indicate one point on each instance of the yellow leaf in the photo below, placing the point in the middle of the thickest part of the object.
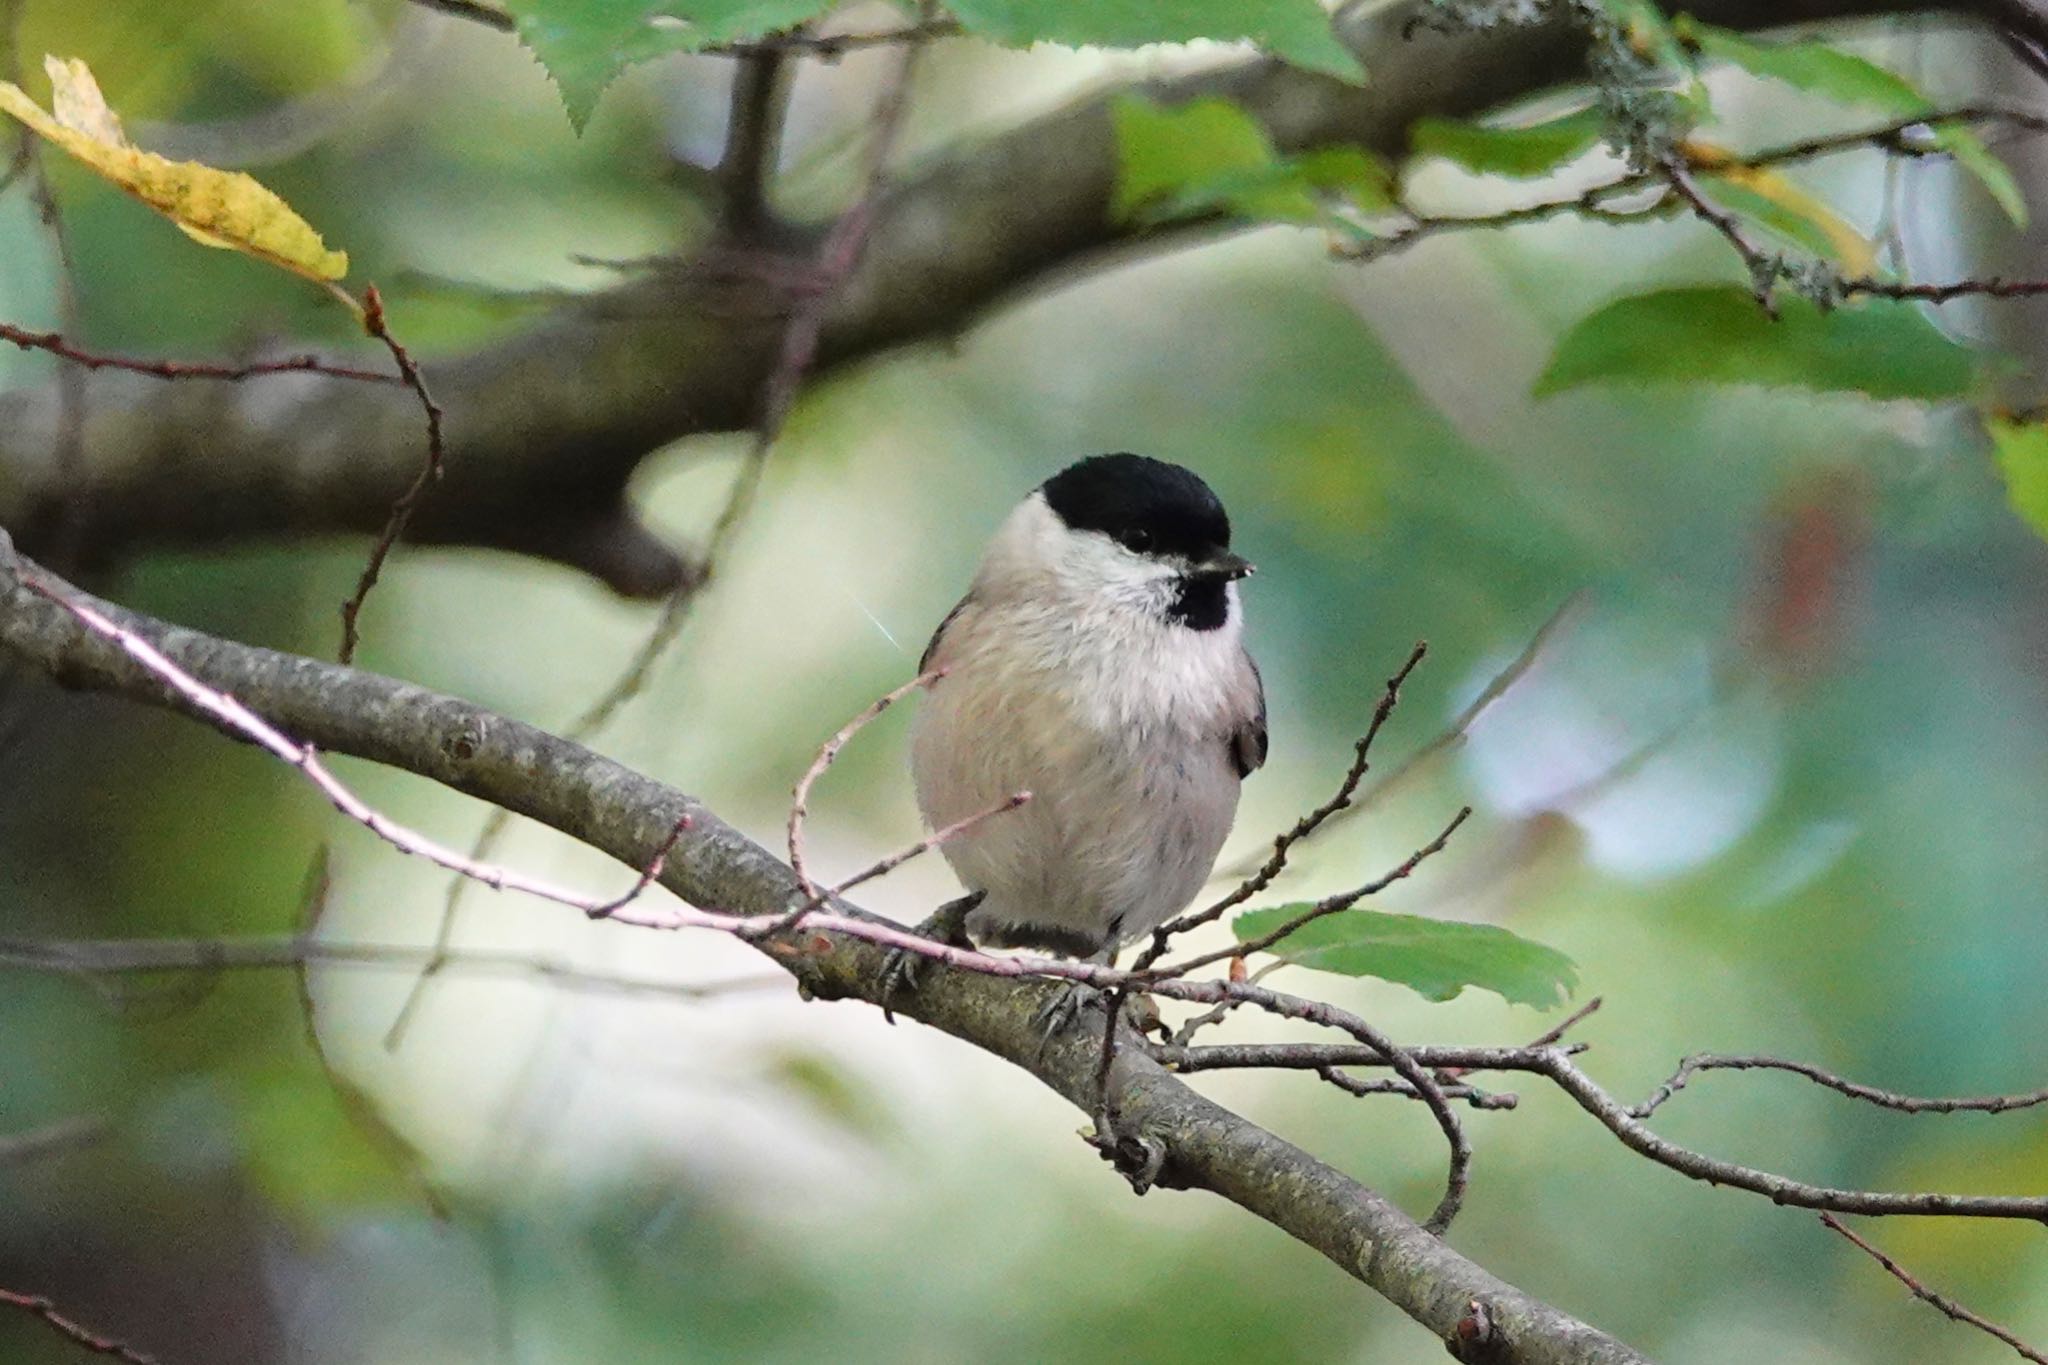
(220, 208)
(1858, 256)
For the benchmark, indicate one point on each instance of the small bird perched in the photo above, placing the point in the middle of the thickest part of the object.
(1098, 663)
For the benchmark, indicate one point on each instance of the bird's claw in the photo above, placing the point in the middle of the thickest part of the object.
(947, 924)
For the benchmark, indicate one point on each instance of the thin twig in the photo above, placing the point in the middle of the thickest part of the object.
(1463, 1093)
(1765, 267)
(800, 799)
(132, 957)
(1453, 734)
(55, 344)
(240, 720)
(1884, 1099)
(1329, 905)
(356, 1103)
(408, 501)
(888, 863)
(33, 1144)
(1305, 826)
(1556, 1033)
(1948, 1306)
(648, 874)
(1618, 1119)
(38, 1306)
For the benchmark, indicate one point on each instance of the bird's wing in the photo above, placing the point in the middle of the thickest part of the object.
(1248, 742)
(931, 651)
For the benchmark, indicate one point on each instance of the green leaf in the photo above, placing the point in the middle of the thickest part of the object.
(1974, 156)
(1717, 334)
(1812, 67)
(1846, 78)
(1210, 156)
(1169, 153)
(585, 44)
(2022, 451)
(1362, 179)
(1523, 153)
(1297, 31)
(1433, 957)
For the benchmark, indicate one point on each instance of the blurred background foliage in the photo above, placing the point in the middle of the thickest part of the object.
(1778, 783)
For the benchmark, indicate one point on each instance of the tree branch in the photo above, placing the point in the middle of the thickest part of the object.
(546, 427)
(620, 812)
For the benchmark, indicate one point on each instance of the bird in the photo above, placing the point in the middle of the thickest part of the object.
(1097, 662)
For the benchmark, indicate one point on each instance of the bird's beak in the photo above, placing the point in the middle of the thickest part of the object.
(1224, 564)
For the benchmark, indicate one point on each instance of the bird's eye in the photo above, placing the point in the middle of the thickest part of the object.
(1137, 541)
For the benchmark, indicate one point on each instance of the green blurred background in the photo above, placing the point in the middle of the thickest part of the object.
(1779, 783)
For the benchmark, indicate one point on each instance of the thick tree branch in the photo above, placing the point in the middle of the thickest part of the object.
(622, 813)
(545, 427)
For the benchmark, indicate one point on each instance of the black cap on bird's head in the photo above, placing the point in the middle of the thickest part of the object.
(1149, 507)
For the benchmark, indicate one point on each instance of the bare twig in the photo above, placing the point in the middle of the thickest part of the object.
(1765, 267)
(78, 1334)
(800, 799)
(240, 720)
(1994, 287)
(1948, 1306)
(1556, 1033)
(1315, 1056)
(1465, 1094)
(649, 873)
(1622, 1122)
(1452, 735)
(356, 1103)
(883, 866)
(33, 1144)
(55, 344)
(1307, 825)
(1884, 1099)
(408, 501)
(131, 957)
(1329, 905)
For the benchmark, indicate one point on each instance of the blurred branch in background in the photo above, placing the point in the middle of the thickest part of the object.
(538, 460)
(77, 1333)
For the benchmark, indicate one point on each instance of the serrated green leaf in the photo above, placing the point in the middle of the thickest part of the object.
(1297, 31)
(2022, 451)
(1717, 334)
(1210, 156)
(1523, 153)
(1971, 153)
(1434, 958)
(585, 44)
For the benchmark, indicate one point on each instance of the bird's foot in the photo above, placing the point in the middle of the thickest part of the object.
(1071, 999)
(1063, 1009)
(947, 924)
